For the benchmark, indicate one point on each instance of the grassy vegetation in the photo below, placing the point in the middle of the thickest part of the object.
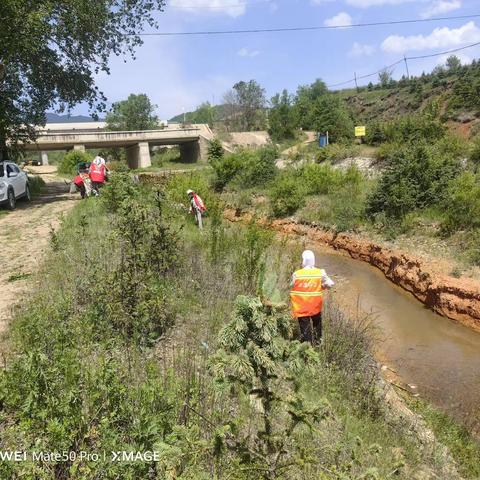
(36, 184)
(150, 336)
(464, 448)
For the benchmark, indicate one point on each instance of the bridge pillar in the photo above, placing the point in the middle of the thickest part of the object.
(80, 148)
(138, 155)
(190, 152)
(44, 158)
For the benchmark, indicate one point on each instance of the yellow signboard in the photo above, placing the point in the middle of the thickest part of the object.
(360, 131)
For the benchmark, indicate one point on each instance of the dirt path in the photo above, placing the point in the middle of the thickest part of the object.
(311, 137)
(24, 238)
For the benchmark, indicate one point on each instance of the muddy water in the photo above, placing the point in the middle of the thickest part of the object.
(440, 357)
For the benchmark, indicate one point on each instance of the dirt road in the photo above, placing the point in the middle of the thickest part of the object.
(24, 237)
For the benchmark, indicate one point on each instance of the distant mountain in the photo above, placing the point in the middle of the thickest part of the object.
(55, 118)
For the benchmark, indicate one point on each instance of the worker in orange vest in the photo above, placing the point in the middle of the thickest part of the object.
(307, 287)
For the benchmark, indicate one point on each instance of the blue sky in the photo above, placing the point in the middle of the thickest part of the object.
(180, 72)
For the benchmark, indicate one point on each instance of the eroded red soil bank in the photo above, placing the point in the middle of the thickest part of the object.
(458, 299)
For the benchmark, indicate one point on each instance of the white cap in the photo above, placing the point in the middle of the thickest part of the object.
(189, 191)
(308, 258)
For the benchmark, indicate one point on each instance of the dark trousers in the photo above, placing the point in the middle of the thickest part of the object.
(311, 328)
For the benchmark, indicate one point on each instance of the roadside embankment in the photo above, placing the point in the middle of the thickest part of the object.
(458, 299)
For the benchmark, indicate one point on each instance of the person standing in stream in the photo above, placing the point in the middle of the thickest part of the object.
(306, 295)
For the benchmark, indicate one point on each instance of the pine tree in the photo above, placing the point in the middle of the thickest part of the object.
(257, 360)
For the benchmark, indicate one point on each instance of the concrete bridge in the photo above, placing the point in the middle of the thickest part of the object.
(81, 136)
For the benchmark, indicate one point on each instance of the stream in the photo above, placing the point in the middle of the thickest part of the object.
(439, 357)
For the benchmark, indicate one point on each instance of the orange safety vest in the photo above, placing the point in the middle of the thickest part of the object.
(306, 294)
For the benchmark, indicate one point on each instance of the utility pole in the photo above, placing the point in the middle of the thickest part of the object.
(406, 65)
(356, 84)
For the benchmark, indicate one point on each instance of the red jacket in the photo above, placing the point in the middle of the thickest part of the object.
(78, 180)
(97, 173)
(198, 203)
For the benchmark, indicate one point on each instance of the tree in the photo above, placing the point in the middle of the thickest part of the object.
(135, 113)
(281, 117)
(257, 361)
(453, 63)
(330, 114)
(246, 106)
(215, 150)
(306, 96)
(204, 113)
(50, 53)
(232, 110)
(385, 77)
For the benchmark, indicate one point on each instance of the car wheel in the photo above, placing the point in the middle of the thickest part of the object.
(11, 202)
(28, 195)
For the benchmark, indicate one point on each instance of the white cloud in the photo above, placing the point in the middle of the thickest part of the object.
(376, 3)
(340, 20)
(320, 2)
(443, 37)
(439, 7)
(361, 50)
(233, 8)
(245, 52)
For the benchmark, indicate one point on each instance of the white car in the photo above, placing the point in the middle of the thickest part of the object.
(13, 185)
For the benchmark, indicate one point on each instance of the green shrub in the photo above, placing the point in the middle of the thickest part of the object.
(215, 150)
(258, 166)
(324, 179)
(451, 146)
(226, 169)
(246, 168)
(320, 179)
(462, 203)
(70, 161)
(177, 186)
(118, 166)
(250, 266)
(348, 207)
(119, 188)
(256, 357)
(386, 151)
(375, 134)
(287, 195)
(337, 151)
(474, 154)
(417, 177)
(406, 129)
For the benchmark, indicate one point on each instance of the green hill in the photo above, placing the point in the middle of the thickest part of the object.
(451, 92)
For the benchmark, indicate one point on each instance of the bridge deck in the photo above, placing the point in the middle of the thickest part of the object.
(102, 139)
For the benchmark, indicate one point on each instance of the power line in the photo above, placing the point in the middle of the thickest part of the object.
(404, 59)
(444, 53)
(303, 29)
